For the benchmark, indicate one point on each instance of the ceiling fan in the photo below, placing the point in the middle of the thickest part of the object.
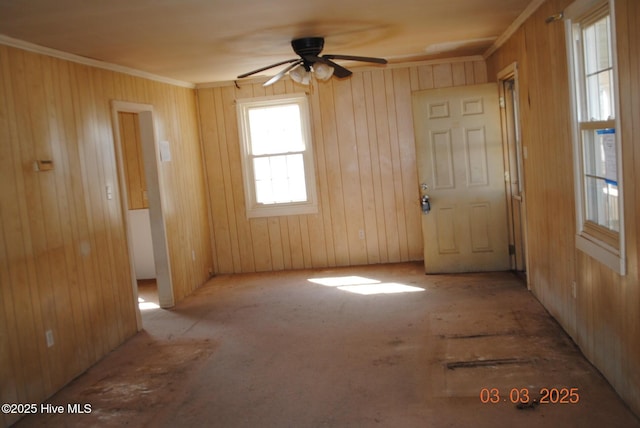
(323, 67)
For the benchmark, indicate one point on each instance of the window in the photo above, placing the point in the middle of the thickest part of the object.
(277, 156)
(596, 142)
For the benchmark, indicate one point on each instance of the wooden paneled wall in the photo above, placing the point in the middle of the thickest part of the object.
(365, 167)
(63, 253)
(604, 318)
(132, 158)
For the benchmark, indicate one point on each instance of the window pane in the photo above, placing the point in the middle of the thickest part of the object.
(264, 192)
(597, 47)
(281, 190)
(598, 64)
(297, 184)
(277, 155)
(261, 169)
(602, 202)
(600, 96)
(280, 179)
(599, 153)
(600, 168)
(589, 38)
(603, 47)
(275, 129)
(278, 166)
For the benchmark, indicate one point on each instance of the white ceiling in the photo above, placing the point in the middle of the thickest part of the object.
(202, 41)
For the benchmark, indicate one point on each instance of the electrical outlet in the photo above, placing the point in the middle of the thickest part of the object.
(193, 255)
(49, 336)
(573, 289)
(361, 234)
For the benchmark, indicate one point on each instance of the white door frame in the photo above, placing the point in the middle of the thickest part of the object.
(151, 162)
(508, 73)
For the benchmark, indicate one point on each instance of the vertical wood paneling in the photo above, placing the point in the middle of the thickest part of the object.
(458, 74)
(469, 72)
(425, 76)
(76, 227)
(442, 75)
(479, 72)
(64, 261)
(386, 168)
(27, 254)
(407, 159)
(14, 311)
(628, 292)
(349, 178)
(61, 232)
(381, 231)
(365, 168)
(323, 242)
(335, 190)
(604, 318)
(212, 132)
(400, 228)
(365, 171)
(132, 154)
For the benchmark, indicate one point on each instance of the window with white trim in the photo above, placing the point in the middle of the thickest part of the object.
(277, 156)
(591, 49)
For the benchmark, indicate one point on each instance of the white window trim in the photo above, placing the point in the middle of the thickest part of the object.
(614, 258)
(254, 209)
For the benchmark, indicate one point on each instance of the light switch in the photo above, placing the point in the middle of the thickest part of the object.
(49, 337)
(109, 192)
(165, 151)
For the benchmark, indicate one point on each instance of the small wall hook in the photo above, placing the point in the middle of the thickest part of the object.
(553, 18)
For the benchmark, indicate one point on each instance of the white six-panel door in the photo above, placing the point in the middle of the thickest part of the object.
(460, 168)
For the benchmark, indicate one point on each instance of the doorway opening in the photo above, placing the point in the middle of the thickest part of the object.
(141, 191)
(514, 169)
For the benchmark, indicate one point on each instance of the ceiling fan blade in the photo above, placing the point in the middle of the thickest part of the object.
(356, 58)
(267, 67)
(280, 75)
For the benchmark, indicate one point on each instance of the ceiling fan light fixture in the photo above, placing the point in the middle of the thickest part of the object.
(323, 71)
(300, 75)
(308, 50)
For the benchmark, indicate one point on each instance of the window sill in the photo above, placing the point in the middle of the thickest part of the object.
(282, 210)
(601, 252)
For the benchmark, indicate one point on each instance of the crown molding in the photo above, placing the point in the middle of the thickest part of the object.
(31, 47)
(511, 29)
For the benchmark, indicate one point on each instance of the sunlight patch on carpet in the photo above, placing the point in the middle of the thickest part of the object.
(145, 306)
(365, 286)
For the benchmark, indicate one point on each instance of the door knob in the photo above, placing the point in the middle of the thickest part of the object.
(425, 204)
